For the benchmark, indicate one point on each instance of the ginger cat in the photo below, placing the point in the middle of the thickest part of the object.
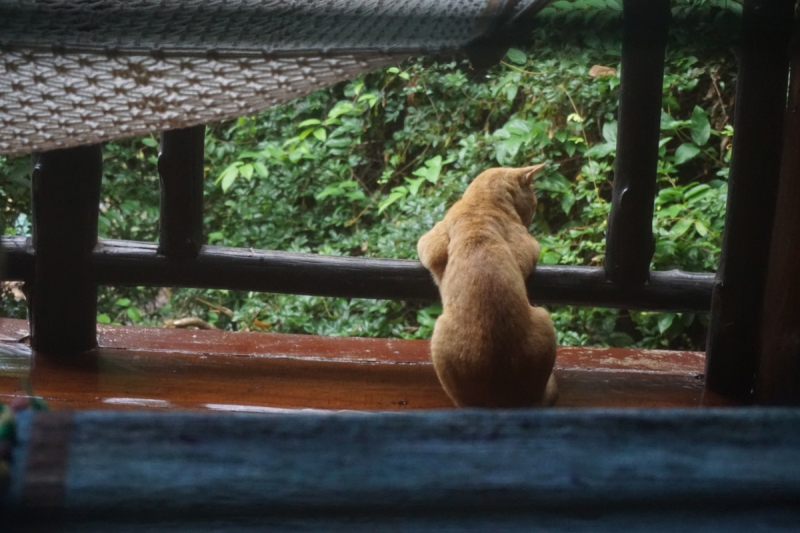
(490, 347)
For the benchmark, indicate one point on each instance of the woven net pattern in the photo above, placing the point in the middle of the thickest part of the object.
(84, 71)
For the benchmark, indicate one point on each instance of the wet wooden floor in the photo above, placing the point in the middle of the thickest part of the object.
(173, 369)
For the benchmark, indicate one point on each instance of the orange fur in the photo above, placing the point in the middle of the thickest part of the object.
(490, 347)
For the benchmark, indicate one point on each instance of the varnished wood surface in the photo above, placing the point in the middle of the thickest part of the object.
(587, 470)
(150, 368)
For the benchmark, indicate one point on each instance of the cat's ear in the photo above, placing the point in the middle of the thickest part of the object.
(526, 174)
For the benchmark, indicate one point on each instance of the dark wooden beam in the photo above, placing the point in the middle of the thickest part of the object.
(629, 240)
(733, 338)
(137, 263)
(778, 376)
(180, 169)
(66, 196)
(470, 470)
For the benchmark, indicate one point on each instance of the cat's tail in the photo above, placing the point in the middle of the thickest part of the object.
(550, 392)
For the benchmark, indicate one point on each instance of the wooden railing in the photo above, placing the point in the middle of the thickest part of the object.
(63, 262)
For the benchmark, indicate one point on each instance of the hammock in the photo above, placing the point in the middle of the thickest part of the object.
(76, 72)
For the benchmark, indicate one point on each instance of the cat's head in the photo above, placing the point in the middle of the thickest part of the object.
(514, 184)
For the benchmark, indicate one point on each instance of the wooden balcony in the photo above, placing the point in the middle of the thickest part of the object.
(174, 369)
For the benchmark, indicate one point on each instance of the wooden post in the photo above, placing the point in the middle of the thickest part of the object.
(778, 376)
(733, 337)
(180, 168)
(629, 241)
(66, 195)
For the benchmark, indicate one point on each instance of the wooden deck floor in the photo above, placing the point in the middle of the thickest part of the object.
(149, 368)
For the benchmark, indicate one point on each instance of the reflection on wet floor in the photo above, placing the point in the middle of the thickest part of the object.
(160, 369)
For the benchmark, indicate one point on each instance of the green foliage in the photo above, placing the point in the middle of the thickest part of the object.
(366, 167)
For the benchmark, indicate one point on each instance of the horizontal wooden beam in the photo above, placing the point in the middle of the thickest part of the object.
(469, 470)
(136, 263)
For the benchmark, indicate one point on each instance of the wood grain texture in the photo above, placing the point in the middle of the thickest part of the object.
(733, 337)
(778, 375)
(537, 470)
(168, 369)
(629, 241)
(66, 195)
(137, 263)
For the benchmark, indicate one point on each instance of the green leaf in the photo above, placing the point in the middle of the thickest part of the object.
(320, 134)
(671, 212)
(680, 227)
(432, 169)
(427, 316)
(123, 302)
(397, 194)
(392, 70)
(601, 150)
(567, 201)
(670, 124)
(553, 181)
(246, 171)
(340, 109)
(701, 129)
(511, 92)
(517, 127)
(103, 319)
(665, 321)
(309, 122)
(272, 151)
(305, 133)
(549, 257)
(149, 141)
(702, 230)
(369, 97)
(696, 192)
(133, 314)
(610, 132)
(228, 177)
(339, 142)
(685, 152)
(215, 236)
(413, 185)
(501, 83)
(517, 56)
(261, 169)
